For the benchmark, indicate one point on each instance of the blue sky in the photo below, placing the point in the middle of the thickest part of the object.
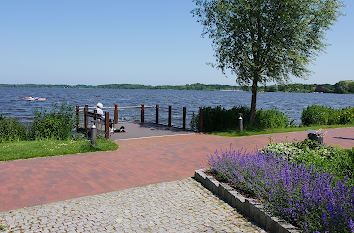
(146, 42)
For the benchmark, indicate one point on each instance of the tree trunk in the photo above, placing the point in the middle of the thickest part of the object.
(254, 100)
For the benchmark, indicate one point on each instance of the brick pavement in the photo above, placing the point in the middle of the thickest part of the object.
(178, 206)
(138, 162)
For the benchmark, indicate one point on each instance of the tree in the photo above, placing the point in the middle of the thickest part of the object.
(266, 40)
(351, 86)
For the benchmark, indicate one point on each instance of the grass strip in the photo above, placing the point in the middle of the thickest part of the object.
(252, 131)
(44, 148)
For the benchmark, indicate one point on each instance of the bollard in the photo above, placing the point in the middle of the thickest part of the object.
(93, 135)
(240, 123)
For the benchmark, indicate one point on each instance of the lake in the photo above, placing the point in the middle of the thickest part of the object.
(290, 103)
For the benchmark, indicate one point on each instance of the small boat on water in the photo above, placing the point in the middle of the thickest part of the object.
(30, 98)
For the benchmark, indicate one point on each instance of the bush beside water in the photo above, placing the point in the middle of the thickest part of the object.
(323, 115)
(51, 133)
(12, 130)
(56, 124)
(219, 118)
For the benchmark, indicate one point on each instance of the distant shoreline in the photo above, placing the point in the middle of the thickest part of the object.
(342, 87)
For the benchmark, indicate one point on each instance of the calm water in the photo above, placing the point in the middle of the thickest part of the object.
(289, 103)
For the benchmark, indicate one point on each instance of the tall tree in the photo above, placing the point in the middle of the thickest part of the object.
(266, 40)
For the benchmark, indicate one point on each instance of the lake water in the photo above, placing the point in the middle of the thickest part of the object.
(289, 103)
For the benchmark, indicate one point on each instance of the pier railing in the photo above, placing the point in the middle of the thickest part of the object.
(84, 113)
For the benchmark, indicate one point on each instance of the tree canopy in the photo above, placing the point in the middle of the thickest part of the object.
(266, 40)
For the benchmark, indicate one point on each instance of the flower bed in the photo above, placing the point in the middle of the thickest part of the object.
(302, 195)
(337, 161)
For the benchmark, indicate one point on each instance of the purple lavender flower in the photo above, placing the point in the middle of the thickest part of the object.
(304, 196)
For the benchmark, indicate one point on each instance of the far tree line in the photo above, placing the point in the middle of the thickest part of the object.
(341, 87)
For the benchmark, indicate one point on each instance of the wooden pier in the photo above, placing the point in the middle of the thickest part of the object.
(87, 116)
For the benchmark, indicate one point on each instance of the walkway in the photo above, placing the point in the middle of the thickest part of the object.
(178, 206)
(137, 130)
(138, 162)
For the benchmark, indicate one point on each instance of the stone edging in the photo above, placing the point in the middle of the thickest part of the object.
(249, 207)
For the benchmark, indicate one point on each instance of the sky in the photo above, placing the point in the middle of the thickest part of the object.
(155, 42)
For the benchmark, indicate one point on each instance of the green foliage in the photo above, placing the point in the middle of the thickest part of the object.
(323, 115)
(269, 119)
(221, 119)
(297, 87)
(342, 87)
(57, 123)
(262, 41)
(11, 130)
(339, 162)
(346, 115)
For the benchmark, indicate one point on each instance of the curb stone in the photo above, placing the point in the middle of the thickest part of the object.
(249, 207)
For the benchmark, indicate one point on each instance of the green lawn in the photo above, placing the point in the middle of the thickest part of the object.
(250, 132)
(43, 148)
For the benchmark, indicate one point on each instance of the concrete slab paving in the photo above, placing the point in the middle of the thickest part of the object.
(179, 206)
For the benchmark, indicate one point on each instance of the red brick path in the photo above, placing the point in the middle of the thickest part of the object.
(138, 162)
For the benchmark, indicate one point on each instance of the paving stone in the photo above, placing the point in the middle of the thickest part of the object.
(179, 206)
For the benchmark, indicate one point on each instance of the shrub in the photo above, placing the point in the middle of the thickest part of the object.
(12, 130)
(303, 195)
(266, 119)
(339, 162)
(323, 115)
(346, 115)
(220, 119)
(56, 124)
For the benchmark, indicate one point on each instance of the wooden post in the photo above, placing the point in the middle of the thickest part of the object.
(142, 113)
(77, 117)
(200, 120)
(95, 116)
(106, 125)
(115, 114)
(169, 115)
(157, 113)
(184, 117)
(85, 118)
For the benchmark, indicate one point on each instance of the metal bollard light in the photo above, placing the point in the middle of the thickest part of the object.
(240, 123)
(93, 135)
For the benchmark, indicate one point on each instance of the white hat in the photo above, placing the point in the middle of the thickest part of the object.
(100, 105)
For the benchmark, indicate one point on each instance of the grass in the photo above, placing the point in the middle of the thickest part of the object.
(251, 131)
(44, 148)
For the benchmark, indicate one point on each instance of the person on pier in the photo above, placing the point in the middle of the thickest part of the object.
(101, 116)
(100, 111)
